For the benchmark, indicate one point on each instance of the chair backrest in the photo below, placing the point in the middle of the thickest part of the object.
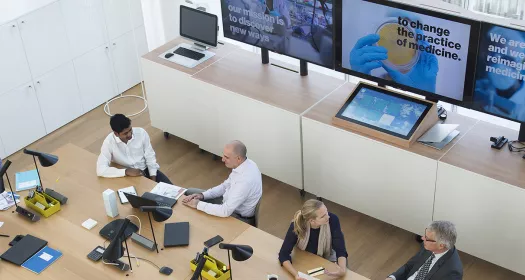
(257, 213)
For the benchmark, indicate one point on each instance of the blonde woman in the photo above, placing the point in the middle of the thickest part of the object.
(317, 231)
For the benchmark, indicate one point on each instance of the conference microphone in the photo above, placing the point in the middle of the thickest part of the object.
(31, 152)
(153, 208)
(227, 246)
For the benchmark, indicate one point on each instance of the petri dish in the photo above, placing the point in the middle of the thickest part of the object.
(400, 58)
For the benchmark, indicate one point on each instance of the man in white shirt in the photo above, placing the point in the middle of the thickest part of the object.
(438, 260)
(131, 148)
(238, 195)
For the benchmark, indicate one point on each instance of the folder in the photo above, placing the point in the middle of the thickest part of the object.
(27, 180)
(42, 260)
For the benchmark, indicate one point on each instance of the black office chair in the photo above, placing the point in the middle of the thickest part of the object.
(256, 217)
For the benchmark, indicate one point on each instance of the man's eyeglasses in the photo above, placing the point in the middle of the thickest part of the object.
(428, 239)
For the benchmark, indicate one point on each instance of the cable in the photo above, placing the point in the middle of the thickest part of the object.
(513, 148)
(140, 224)
(146, 260)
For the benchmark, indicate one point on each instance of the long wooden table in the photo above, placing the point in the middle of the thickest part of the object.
(63, 231)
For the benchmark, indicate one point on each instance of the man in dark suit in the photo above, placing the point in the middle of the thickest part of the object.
(438, 260)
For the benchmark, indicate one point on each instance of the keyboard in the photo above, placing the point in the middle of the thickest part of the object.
(163, 204)
(189, 53)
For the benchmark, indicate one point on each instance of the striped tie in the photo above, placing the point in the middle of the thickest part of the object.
(422, 273)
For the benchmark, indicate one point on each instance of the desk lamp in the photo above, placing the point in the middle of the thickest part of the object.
(115, 250)
(19, 209)
(46, 160)
(240, 253)
(160, 214)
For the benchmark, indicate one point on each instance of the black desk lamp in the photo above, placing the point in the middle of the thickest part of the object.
(19, 209)
(115, 250)
(160, 214)
(46, 160)
(240, 253)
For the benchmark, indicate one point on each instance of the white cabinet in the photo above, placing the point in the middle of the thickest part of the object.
(84, 24)
(125, 61)
(45, 39)
(95, 78)
(58, 95)
(122, 16)
(14, 69)
(21, 122)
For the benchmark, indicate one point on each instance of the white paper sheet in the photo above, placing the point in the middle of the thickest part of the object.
(168, 190)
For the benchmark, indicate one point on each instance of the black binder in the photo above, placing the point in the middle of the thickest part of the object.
(176, 234)
(23, 249)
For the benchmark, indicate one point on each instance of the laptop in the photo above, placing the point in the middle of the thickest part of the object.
(23, 249)
(149, 199)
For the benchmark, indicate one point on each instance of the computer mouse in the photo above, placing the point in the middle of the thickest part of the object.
(165, 270)
(168, 55)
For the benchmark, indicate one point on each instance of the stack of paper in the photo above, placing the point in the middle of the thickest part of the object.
(168, 190)
(6, 200)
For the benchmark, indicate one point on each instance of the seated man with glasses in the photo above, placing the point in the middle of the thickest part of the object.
(439, 259)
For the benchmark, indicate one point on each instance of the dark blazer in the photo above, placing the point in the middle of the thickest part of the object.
(448, 267)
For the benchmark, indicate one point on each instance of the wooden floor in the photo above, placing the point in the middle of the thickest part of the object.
(375, 248)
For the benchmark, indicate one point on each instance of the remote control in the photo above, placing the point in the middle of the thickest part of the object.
(96, 254)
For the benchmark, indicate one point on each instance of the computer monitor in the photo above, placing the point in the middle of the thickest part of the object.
(380, 109)
(198, 26)
(407, 47)
(500, 74)
(299, 29)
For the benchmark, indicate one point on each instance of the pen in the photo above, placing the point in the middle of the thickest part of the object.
(3, 235)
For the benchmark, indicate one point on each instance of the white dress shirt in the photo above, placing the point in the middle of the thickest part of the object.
(241, 192)
(137, 153)
(434, 261)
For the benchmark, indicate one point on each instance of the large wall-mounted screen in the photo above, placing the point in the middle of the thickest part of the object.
(296, 28)
(418, 50)
(500, 73)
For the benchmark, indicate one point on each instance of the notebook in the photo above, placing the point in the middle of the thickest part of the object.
(177, 234)
(27, 180)
(23, 249)
(41, 260)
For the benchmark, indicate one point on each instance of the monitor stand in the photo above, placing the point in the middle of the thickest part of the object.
(521, 135)
(303, 65)
(199, 47)
(442, 112)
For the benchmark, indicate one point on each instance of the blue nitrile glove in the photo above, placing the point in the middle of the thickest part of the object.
(422, 76)
(275, 13)
(366, 57)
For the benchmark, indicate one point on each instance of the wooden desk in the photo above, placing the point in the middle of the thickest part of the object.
(266, 248)
(63, 231)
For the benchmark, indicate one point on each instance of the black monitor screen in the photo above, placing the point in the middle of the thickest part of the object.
(500, 73)
(198, 26)
(299, 29)
(407, 47)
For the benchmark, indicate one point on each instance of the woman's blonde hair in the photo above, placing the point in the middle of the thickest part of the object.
(303, 216)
